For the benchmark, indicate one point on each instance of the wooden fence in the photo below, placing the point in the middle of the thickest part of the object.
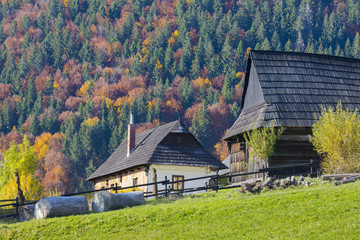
(167, 187)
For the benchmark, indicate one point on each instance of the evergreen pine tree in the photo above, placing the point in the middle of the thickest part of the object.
(348, 48)
(135, 68)
(186, 92)
(288, 46)
(2, 34)
(25, 23)
(356, 47)
(34, 127)
(234, 111)
(85, 53)
(226, 55)
(30, 94)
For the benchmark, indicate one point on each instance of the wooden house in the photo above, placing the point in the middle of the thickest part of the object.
(289, 89)
(168, 150)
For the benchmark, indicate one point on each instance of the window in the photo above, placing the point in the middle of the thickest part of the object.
(135, 181)
(179, 186)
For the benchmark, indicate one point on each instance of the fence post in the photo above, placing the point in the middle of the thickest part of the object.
(217, 181)
(17, 206)
(166, 183)
(115, 188)
(263, 174)
(155, 186)
(311, 167)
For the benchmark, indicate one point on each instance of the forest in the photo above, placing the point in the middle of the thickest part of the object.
(71, 71)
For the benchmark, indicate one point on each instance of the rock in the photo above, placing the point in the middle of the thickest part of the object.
(283, 183)
(26, 213)
(292, 180)
(323, 182)
(267, 183)
(301, 178)
(257, 187)
(306, 182)
(60, 206)
(277, 183)
(336, 183)
(174, 196)
(104, 201)
(248, 184)
(288, 180)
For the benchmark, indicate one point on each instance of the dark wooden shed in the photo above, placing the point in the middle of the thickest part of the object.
(289, 89)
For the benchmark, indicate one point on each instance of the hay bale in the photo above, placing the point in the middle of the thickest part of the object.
(26, 213)
(104, 201)
(60, 206)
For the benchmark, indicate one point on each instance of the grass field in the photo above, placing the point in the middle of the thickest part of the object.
(318, 212)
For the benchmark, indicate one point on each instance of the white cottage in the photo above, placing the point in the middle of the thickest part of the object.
(168, 150)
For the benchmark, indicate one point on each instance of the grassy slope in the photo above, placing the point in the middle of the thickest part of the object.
(321, 212)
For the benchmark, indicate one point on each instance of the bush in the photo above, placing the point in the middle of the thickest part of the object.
(336, 137)
(262, 140)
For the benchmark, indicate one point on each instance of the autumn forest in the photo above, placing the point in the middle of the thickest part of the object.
(71, 71)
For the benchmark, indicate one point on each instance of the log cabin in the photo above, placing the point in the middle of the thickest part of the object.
(168, 150)
(289, 89)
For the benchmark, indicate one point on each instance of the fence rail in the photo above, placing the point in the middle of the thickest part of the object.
(167, 186)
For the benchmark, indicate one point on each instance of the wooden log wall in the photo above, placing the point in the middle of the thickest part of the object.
(293, 147)
(238, 160)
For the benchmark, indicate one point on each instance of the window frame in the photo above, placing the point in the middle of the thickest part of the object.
(135, 181)
(179, 186)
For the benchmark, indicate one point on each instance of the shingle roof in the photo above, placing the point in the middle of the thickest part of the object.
(149, 151)
(295, 86)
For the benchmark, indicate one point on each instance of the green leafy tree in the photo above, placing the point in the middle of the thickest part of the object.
(20, 157)
(261, 141)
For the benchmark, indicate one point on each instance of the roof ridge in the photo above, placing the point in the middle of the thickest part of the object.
(136, 146)
(306, 54)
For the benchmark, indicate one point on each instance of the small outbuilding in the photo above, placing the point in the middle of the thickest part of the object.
(168, 150)
(288, 89)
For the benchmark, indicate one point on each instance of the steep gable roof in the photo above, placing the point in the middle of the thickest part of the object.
(294, 86)
(149, 150)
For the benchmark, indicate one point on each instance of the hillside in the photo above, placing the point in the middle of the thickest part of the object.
(72, 70)
(319, 212)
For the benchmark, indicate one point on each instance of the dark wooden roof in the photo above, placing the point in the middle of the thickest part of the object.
(151, 148)
(290, 88)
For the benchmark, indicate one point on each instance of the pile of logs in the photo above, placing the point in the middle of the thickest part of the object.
(272, 183)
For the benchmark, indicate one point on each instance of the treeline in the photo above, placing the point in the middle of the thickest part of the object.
(72, 70)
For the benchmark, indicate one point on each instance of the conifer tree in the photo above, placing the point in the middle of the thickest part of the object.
(85, 53)
(2, 34)
(34, 127)
(356, 47)
(186, 92)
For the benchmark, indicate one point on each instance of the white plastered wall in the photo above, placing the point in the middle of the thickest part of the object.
(186, 171)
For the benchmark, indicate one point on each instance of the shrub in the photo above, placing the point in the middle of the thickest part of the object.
(336, 137)
(262, 140)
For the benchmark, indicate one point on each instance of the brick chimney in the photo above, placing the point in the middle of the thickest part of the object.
(131, 135)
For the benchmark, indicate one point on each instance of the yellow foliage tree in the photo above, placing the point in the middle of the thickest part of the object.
(336, 137)
(18, 157)
(41, 147)
(84, 89)
(21, 158)
(91, 121)
(30, 186)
